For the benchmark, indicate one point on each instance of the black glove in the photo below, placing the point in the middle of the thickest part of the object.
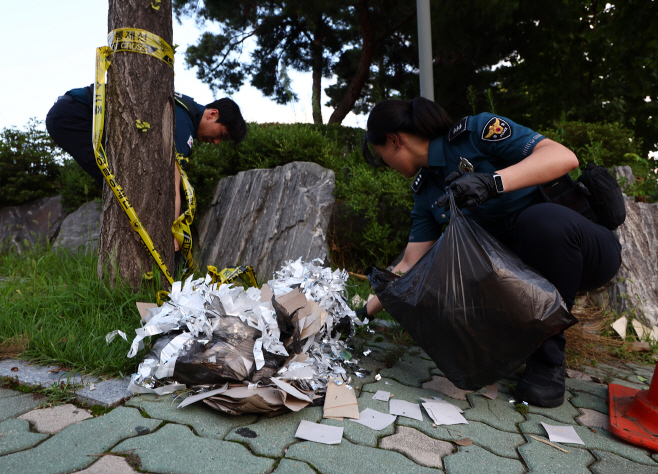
(469, 189)
(363, 312)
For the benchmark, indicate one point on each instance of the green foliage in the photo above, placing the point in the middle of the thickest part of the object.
(609, 145)
(371, 218)
(28, 168)
(76, 186)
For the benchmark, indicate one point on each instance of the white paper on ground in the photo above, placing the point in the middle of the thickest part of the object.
(318, 433)
(562, 434)
(374, 419)
(381, 395)
(620, 326)
(201, 396)
(164, 390)
(404, 408)
(444, 413)
(440, 400)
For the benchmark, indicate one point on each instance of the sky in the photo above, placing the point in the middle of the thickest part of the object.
(48, 47)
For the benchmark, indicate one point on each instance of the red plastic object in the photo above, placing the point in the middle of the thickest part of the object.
(634, 413)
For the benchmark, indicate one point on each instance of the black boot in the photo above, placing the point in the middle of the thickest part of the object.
(542, 384)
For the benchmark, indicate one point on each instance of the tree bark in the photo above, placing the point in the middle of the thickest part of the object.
(367, 52)
(139, 87)
(316, 52)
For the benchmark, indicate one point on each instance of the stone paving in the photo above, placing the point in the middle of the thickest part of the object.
(150, 434)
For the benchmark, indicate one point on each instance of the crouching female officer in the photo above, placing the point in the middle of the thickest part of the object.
(493, 167)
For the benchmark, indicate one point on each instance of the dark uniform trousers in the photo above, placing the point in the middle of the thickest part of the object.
(69, 123)
(571, 252)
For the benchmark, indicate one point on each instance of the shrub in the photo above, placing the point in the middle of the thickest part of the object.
(609, 145)
(28, 167)
(75, 185)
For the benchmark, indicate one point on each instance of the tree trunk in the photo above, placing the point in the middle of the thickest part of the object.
(140, 87)
(316, 52)
(367, 52)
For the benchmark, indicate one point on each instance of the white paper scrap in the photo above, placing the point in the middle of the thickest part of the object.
(111, 335)
(201, 396)
(562, 434)
(444, 413)
(319, 433)
(381, 395)
(374, 419)
(620, 326)
(378, 377)
(404, 408)
(440, 400)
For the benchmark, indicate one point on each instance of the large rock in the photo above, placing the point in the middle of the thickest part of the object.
(80, 229)
(636, 284)
(38, 220)
(265, 217)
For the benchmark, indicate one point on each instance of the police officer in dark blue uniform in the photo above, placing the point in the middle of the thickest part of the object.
(493, 166)
(69, 122)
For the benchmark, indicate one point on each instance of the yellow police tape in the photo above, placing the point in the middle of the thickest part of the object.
(181, 226)
(140, 41)
(229, 275)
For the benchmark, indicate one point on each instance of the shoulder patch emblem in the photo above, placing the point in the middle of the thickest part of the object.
(458, 129)
(190, 141)
(496, 130)
(418, 182)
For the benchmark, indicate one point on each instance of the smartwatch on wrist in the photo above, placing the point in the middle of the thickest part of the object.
(498, 181)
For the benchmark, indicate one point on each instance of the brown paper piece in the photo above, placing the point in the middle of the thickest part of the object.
(337, 418)
(266, 294)
(143, 308)
(288, 296)
(340, 402)
(492, 392)
(643, 332)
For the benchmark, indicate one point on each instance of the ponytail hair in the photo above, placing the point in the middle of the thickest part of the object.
(420, 117)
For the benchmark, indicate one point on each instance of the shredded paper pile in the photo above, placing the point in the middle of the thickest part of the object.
(268, 350)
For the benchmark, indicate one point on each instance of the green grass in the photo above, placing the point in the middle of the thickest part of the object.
(55, 301)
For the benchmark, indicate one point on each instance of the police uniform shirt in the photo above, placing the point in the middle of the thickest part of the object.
(188, 117)
(482, 143)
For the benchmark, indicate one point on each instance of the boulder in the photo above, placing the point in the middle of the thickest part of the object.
(265, 217)
(35, 221)
(80, 228)
(635, 287)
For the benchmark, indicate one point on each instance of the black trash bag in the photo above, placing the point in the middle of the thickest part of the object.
(472, 304)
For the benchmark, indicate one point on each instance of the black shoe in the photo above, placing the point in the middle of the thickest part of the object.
(541, 385)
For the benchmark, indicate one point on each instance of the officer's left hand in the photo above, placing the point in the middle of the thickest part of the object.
(469, 189)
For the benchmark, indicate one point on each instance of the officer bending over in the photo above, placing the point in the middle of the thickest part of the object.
(493, 166)
(70, 121)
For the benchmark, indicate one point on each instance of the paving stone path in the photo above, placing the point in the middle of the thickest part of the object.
(151, 434)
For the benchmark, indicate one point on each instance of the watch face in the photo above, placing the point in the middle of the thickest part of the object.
(499, 183)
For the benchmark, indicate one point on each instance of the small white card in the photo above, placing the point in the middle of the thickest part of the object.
(319, 433)
(408, 409)
(374, 419)
(381, 395)
(562, 434)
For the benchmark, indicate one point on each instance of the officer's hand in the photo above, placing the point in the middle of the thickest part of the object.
(469, 189)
